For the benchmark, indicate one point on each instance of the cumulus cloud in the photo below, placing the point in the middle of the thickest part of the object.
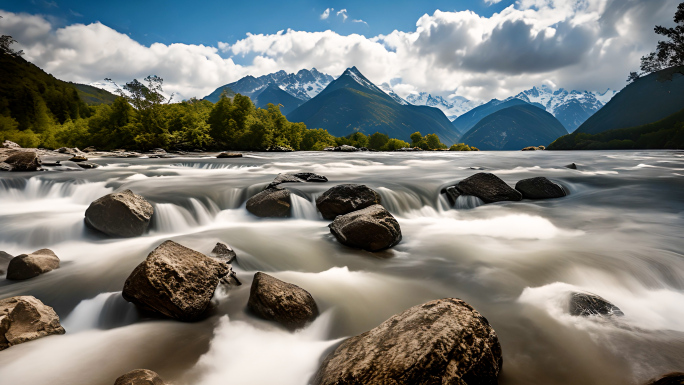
(326, 13)
(588, 44)
(490, 2)
(343, 13)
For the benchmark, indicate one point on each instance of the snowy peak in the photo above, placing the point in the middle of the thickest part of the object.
(358, 77)
(452, 107)
(386, 88)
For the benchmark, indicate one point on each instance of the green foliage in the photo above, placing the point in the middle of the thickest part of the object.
(668, 53)
(395, 144)
(427, 142)
(462, 147)
(378, 141)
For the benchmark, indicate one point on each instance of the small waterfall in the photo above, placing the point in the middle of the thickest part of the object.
(203, 214)
(303, 208)
(36, 188)
(400, 202)
(170, 218)
(464, 202)
(105, 311)
(232, 198)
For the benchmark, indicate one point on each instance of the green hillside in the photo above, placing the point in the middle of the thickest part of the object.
(93, 95)
(274, 95)
(468, 120)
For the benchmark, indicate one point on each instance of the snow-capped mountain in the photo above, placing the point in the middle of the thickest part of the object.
(452, 108)
(107, 86)
(386, 88)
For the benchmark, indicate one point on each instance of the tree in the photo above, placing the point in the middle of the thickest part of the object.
(633, 76)
(668, 53)
(378, 141)
(5, 42)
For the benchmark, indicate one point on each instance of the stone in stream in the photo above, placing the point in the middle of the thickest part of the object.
(451, 193)
(674, 378)
(25, 318)
(300, 177)
(78, 158)
(5, 259)
(587, 304)
(282, 302)
(488, 187)
(140, 377)
(23, 161)
(27, 266)
(175, 281)
(272, 202)
(571, 166)
(122, 214)
(10, 144)
(224, 155)
(443, 341)
(87, 165)
(539, 188)
(345, 198)
(371, 229)
(224, 252)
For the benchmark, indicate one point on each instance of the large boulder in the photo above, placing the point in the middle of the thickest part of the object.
(122, 214)
(272, 202)
(345, 198)
(140, 377)
(224, 155)
(488, 187)
(539, 188)
(282, 302)
(24, 161)
(24, 319)
(372, 229)
(444, 341)
(175, 281)
(27, 266)
(674, 378)
(587, 304)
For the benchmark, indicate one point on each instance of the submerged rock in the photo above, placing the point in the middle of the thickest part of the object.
(122, 214)
(229, 155)
(25, 318)
(488, 187)
(224, 253)
(674, 378)
(175, 281)
(27, 266)
(345, 198)
(282, 302)
(571, 166)
(272, 202)
(140, 377)
(444, 341)
(587, 304)
(23, 161)
(87, 165)
(371, 229)
(539, 188)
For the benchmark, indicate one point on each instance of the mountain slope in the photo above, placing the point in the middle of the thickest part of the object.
(514, 128)
(468, 120)
(93, 95)
(353, 103)
(646, 100)
(274, 95)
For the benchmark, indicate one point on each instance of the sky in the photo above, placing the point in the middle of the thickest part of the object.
(478, 49)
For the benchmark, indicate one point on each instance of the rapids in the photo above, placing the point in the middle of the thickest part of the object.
(617, 234)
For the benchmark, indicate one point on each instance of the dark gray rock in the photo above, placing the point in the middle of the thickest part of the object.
(24, 161)
(571, 166)
(444, 341)
(272, 202)
(452, 193)
(539, 188)
(27, 266)
(345, 198)
(282, 302)
(587, 304)
(674, 378)
(224, 155)
(87, 165)
(122, 214)
(488, 187)
(140, 377)
(25, 318)
(311, 177)
(371, 229)
(175, 281)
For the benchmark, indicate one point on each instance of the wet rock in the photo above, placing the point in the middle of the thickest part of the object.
(488, 187)
(27, 266)
(531, 148)
(451, 193)
(10, 144)
(342, 148)
(224, 252)
(345, 198)
(158, 151)
(571, 166)
(272, 202)
(674, 378)
(140, 377)
(24, 161)
(229, 155)
(539, 188)
(89, 149)
(78, 158)
(5, 259)
(371, 229)
(587, 304)
(122, 214)
(88, 165)
(282, 302)
(404, 149)
(25, 318)
(175, 281)
(444, 341)
(301, 177)
(311, 177)
(5, 167)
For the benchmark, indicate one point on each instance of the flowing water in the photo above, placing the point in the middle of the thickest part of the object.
(617, 234)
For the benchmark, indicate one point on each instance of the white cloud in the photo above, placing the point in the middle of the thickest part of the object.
(359, 21)
(326, 13)
(490, 2)
(343, 13)
(589, 44)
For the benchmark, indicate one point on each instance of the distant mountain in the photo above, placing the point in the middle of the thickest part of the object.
(94, 95)
(273, 94)
(468, 120)
(353, 103)
(647, 100)
(452, 108)
(513, 128)
(303, 85)
(386, 88)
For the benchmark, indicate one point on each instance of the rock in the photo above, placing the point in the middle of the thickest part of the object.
(531, 148)
(27, 266)
(488, 187)
(24, 319)
(279, 149)
(410, 149)
(78, 158)
(224, 253)
(587, 304)
(282, 302)
(311, 177)
(674, 378)
(371, 229)
(539, 188)
(140, 377)
(571, 166)
(444, 341)
(87, 165)
(89, 149)
(5, 259)
(122, 214)
(300, 177)
(10, 144)
(272, 202)
(451, 193)
(342, 148)
(229, 155)
(158, 151)
(24, 161)
(175, 281)
(345, 198)
(5, 167)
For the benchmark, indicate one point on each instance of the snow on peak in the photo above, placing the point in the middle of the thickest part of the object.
(452, 107)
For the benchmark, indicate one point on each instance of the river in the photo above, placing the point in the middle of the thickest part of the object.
(617, 234)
